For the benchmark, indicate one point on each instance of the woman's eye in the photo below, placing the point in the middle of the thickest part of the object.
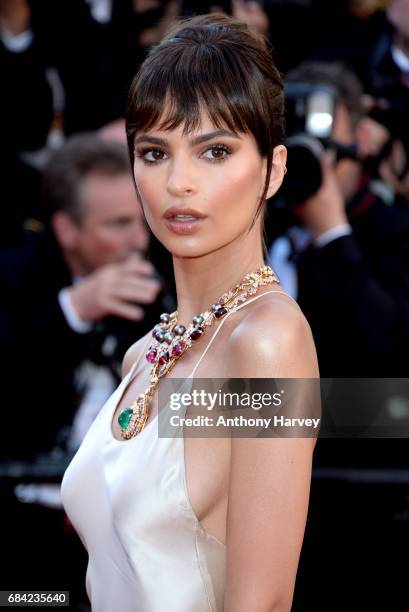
(217, 153)
(151, 156)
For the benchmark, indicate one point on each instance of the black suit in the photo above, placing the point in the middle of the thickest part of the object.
(41, 351)
(355, 293)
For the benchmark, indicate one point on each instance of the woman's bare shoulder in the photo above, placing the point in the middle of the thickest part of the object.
(273, 339)
(133, 353)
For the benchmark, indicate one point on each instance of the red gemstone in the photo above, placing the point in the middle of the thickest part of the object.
(196, 333)
(178, 349)
(151, 356)
(163, 357)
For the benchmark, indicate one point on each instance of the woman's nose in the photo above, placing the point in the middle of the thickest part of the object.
(181, 180)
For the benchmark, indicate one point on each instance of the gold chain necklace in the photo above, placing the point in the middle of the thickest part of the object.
(171, 340)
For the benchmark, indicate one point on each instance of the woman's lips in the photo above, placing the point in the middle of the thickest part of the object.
(184, 227)
(183, 221)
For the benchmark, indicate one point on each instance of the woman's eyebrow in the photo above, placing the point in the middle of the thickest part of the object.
(211, 135)
(151, 140)
(193, 142)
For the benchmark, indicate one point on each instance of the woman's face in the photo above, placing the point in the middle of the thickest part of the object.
(214, 175)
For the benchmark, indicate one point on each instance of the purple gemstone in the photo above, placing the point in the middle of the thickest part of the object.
(160, 336)
(178, 349)
(151, 356)
(196, 333)
(163, 357)
(220, 312)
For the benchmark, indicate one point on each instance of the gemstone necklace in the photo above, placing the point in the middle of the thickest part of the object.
(171, 340)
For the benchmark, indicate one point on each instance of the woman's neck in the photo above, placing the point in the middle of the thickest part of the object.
(201, 281)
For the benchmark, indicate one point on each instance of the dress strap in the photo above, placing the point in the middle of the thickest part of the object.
(256, 297)
(132, 371)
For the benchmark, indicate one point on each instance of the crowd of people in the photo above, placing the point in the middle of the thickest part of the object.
(81, 275)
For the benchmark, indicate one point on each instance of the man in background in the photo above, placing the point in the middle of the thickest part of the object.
(350, 247)
(76, 296)
(349, 262)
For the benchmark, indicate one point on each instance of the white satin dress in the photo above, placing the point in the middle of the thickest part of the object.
(129, 503)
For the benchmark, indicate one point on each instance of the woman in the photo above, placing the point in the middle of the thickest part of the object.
(213, 523)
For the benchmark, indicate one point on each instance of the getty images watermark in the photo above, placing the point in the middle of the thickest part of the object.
(200, 398)
(285, 407)
(239, 407)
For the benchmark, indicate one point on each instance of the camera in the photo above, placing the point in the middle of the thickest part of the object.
(310, 118)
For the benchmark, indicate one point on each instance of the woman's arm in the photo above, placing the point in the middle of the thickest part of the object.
(269, 480)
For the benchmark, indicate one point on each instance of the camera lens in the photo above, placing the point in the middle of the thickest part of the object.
(304, 175)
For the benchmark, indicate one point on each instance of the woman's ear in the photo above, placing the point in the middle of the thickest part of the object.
(278, 170)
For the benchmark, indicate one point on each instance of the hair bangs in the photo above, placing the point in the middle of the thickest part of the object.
(186, 83)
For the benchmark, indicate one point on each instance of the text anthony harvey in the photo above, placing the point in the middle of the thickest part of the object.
(241, 421)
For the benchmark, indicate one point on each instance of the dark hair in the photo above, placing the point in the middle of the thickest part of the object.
(216, 62)
(346, 84)
(80, 156)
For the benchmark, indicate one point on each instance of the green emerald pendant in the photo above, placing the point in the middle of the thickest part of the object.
(125, 418)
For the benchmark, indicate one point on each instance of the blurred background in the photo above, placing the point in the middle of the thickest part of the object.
(82, 278)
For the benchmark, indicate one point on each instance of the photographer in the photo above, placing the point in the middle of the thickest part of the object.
(353, 245)
(349, 259)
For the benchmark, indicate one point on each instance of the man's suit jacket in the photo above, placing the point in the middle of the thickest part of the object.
(41, 351)
(355, 294)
